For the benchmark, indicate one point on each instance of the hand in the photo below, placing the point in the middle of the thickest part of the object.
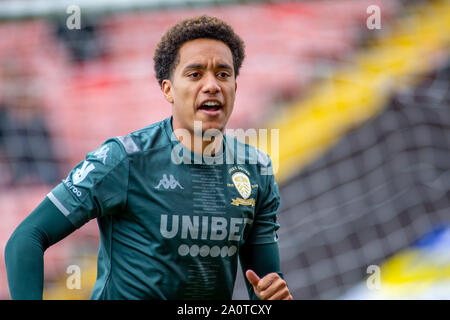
(270, 287)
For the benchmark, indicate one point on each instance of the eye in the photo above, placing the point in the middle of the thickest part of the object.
(223, 74)
(194, 75)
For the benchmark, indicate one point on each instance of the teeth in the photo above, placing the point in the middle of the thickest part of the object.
(211, 103)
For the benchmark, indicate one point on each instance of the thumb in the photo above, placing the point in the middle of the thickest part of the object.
(252, 277)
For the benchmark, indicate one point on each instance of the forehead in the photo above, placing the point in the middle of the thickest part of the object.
(203, 51)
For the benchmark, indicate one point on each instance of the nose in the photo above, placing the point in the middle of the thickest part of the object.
(210, 85)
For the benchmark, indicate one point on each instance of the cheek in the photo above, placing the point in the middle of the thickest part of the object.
(183, 101)
(231, 95)
(186, 96)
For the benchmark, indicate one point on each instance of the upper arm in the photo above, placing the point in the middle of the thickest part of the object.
(25, 248)
(265, 223)
(96, 187)
(44, 226)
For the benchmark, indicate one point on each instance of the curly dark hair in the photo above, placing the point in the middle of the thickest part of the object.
(166, 53)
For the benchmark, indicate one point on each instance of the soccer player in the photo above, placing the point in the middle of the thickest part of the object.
(175, 213)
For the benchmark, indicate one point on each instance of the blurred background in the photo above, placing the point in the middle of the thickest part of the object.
(358, 89)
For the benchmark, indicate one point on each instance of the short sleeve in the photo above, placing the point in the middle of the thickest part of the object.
(96, 187)
(265, 223)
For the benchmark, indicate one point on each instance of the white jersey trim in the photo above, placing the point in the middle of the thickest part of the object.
(128, 144)
(58, 204)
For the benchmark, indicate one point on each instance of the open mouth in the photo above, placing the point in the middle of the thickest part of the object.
(211, 106)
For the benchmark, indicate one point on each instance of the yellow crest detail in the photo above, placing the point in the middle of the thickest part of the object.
(242, 184)
(244, 202)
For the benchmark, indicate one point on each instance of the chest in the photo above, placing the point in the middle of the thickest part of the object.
(195, 202)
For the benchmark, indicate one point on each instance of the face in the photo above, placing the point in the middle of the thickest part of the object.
(203, 85)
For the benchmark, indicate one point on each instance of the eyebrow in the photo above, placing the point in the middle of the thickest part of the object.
(194, 66)
(225, 66)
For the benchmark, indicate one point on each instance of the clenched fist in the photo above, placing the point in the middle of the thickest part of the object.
(270, 287)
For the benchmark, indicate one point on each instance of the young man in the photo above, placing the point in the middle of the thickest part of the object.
(174, 214)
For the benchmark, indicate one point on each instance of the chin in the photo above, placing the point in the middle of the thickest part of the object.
(214, 126)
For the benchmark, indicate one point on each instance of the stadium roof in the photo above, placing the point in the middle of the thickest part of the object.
(18, 9)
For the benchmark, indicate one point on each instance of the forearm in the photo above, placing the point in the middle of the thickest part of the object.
(24, 252)
(24, 259)
(262, 259)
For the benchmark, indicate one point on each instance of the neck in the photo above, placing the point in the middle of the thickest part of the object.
(199, 142)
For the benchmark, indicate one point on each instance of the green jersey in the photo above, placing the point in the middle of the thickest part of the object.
(171, 222)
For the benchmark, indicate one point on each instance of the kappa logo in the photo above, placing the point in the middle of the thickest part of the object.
(81, 173)
(166, 183)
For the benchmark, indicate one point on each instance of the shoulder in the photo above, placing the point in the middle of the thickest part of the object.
(241, 152)
(151, 137)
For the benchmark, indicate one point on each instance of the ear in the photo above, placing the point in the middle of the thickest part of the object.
(235, 86)
(166, 87)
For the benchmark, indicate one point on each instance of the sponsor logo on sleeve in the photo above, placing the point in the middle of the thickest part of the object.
(80, 174)
(72, 188)
(102, 153)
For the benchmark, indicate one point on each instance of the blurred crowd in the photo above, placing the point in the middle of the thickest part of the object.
(26, 151)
